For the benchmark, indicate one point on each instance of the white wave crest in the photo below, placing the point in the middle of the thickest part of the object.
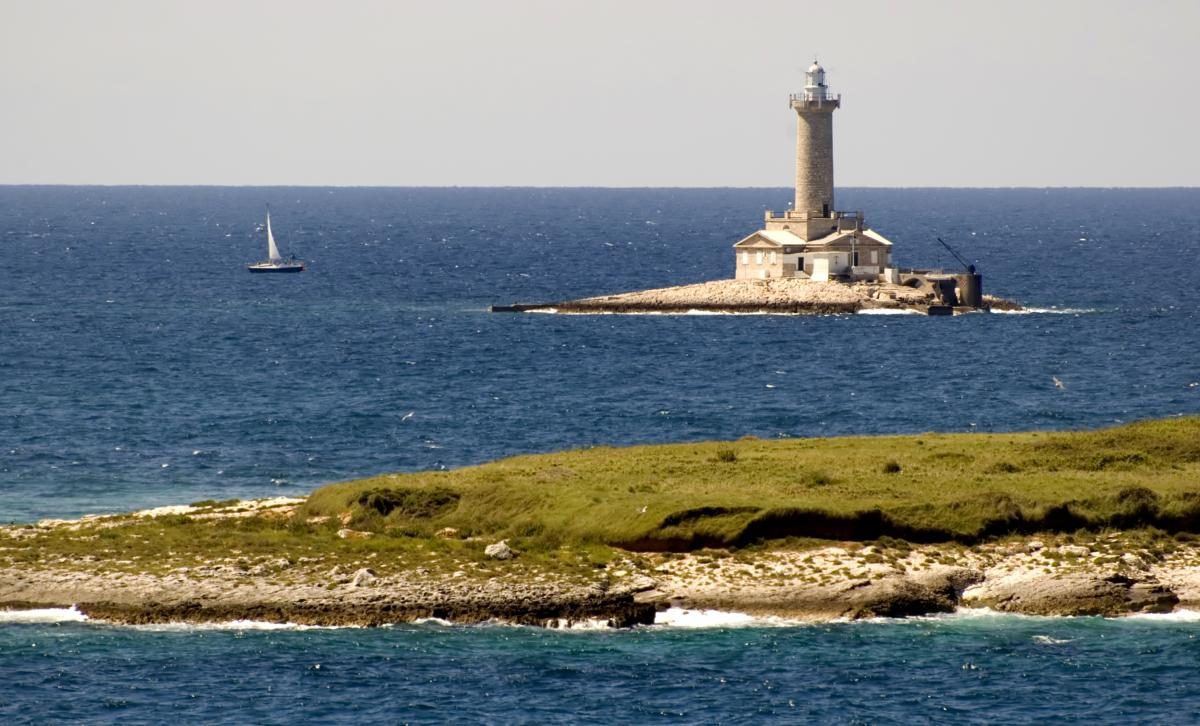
(682, 618)
(889, 311)
(43, 615)
(232, 625)
(594, 624)
(1048, 640)
(1177, 616)
(1046, 311)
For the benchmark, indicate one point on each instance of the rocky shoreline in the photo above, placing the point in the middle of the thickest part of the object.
(1025, 577)
(1105, 575)
(771, 296)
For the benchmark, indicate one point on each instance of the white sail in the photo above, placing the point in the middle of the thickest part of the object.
(272, 250)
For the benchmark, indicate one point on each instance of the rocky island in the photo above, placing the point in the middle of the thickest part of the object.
(1082, 523)
(770, 296)
(812, 258)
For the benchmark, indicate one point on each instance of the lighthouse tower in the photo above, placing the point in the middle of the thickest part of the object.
(813, 239)
(814, 109)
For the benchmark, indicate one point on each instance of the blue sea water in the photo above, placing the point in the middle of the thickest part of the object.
(140, 365)
(958, 669)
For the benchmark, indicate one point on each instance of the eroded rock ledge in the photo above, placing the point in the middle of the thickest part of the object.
(1107, 577)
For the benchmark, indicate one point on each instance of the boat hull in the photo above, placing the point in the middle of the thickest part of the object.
(275, 268)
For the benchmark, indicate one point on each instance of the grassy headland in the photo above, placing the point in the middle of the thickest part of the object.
(571, 511)
(923, 488)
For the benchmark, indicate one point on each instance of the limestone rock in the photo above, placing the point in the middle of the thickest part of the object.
(652, 597)
(1150, 596)
(947, 580)
(363, 577)
(640, 582)
(1129, 559)
(895, 597)
(1079, 593)
(500, 551)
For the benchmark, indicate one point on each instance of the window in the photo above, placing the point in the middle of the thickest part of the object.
(745, 257)
(772, 257)
(856, 258)
(758, 257)
(874, 257)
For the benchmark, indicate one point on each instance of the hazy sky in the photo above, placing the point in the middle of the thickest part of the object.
(599, 93)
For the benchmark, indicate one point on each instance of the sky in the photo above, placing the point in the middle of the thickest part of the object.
(619, 93)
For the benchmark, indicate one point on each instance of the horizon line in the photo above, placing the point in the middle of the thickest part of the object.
(567, 186)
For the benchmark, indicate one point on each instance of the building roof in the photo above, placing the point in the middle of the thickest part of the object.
(877, 237)
(777, 237)
(845, 235)
(784, 238)
(832, 238)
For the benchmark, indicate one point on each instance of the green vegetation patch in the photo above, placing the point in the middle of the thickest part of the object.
(409, 503)
(568, 510)
(951, 487)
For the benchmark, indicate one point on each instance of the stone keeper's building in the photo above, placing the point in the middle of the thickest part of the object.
(812, 239)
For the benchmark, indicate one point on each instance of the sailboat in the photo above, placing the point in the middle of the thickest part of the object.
(274, 262)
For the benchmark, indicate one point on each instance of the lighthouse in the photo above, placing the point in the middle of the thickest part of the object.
(813, 239)
(814, 108)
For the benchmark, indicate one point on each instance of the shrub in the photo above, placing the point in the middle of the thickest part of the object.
(815, 478)
(727, 456)
(891, 467)
(1003, 467)
(415, 503)
(214, 504)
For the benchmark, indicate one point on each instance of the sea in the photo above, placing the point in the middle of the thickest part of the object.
(141, 365)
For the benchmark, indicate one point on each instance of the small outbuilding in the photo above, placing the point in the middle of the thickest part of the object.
(844, 250)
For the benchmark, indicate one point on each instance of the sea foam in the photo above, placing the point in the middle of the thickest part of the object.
(889, 311)
(1046, 311)
(1178, 616)
(681, 618)
(42, 615)
(233, 625)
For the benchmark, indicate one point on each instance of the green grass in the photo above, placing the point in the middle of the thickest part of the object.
(928, 487)
(565, 512)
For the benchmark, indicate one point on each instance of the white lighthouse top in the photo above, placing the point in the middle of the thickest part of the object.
(814, 83)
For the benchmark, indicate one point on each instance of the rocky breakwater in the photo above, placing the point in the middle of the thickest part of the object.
(223, 593)
(781, 296)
